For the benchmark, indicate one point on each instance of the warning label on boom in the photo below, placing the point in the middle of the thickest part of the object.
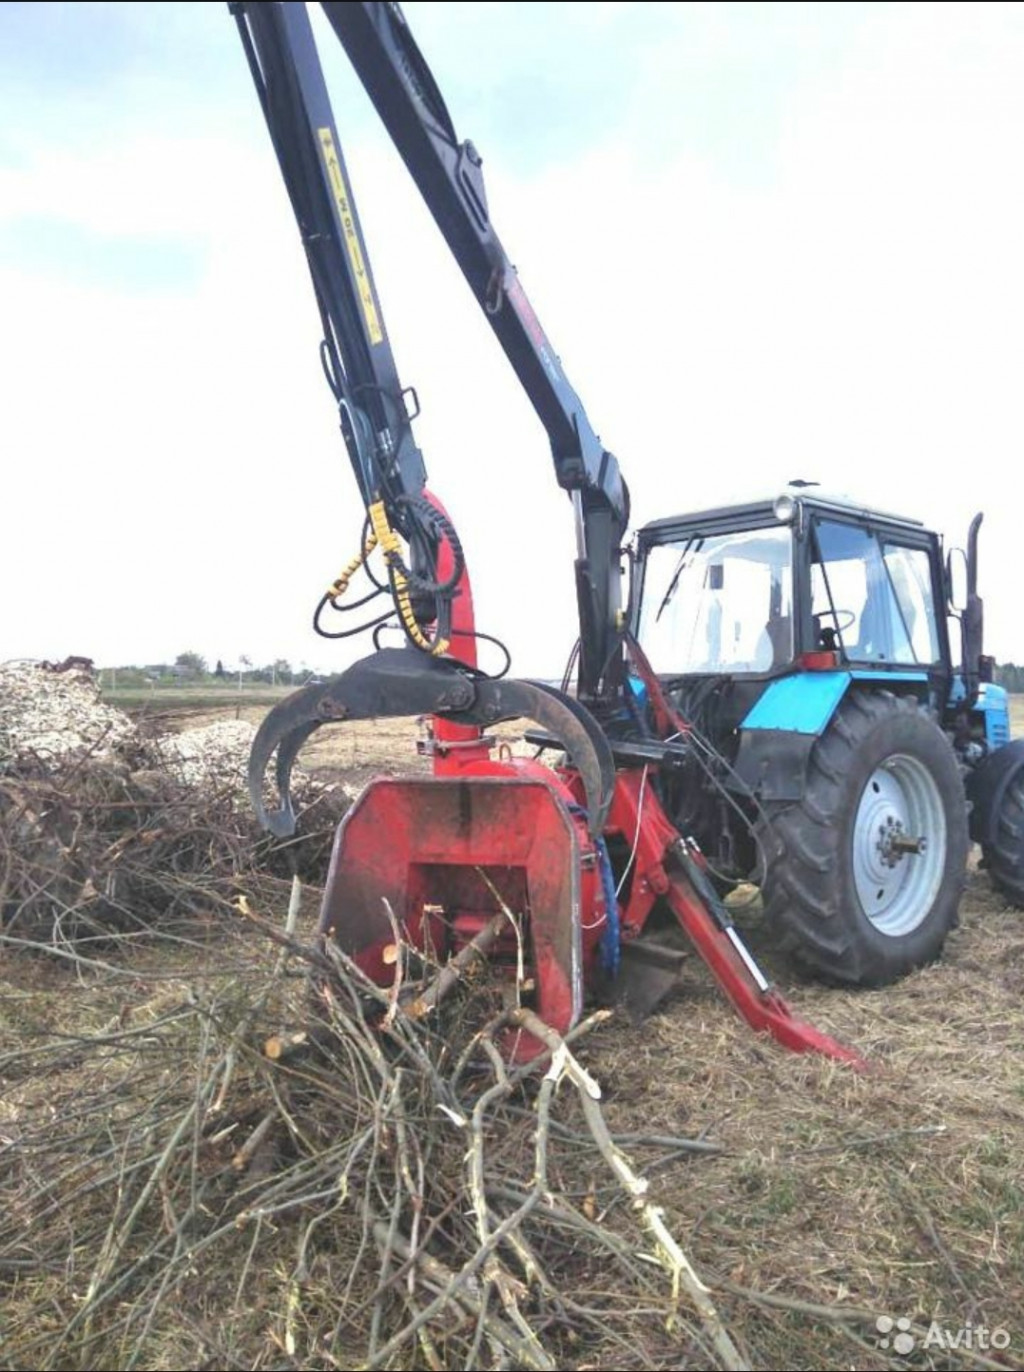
(355, 252)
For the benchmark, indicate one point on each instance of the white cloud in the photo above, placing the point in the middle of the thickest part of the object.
(848, 308)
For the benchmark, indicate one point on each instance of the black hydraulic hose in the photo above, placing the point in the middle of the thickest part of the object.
(427, 527)
(488, 638)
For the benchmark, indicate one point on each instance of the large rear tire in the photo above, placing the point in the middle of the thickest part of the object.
(1004, 856)
(864, 875)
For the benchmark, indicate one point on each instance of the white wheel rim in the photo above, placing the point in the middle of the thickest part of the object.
(900, 803)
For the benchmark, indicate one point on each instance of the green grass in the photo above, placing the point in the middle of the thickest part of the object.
(194, 696)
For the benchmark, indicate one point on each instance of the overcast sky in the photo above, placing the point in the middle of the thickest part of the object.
(768, 241)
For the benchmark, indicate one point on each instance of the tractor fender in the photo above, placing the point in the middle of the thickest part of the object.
(986, 787)
(778, 733)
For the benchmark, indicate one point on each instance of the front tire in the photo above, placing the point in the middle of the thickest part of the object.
(864, 875)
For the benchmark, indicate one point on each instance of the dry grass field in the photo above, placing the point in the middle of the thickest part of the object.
(141, 1227)
(360, 751)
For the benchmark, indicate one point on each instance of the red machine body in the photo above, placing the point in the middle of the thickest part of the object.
(447, 852)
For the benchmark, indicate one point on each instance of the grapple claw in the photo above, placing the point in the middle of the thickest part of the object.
(402, 681)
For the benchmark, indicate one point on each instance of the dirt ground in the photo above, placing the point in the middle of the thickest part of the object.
(837, 1205)
(388, 745)
(353, 753)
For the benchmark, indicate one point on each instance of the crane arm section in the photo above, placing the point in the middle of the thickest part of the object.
(448, 172)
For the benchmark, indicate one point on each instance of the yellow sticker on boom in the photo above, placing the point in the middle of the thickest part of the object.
(341, 198)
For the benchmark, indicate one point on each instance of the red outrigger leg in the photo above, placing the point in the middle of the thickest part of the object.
(667, 866)
(763, 1008)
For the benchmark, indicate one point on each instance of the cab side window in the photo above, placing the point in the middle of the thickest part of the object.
(872, 598)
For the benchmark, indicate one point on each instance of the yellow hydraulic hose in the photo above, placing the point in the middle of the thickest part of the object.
(386, 537)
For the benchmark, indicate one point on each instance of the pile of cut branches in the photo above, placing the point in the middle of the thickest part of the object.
(99, 843)
(206, 1160)
(372, 1184)
(105, 828)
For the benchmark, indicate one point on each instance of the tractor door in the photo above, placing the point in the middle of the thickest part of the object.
(874, 596)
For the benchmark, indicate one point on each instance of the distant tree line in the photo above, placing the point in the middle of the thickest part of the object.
(1011, 676)
(193, 667)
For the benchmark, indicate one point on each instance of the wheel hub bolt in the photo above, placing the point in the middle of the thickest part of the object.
(894, 844)
(903, 843)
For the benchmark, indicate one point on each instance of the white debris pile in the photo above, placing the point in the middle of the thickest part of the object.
(216, 757)
(55, 716)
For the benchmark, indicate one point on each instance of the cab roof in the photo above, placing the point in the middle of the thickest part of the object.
(763, 510)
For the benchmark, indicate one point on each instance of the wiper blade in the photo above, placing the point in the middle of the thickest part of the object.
(673, 585)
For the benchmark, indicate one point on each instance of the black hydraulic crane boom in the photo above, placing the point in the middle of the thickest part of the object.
(375, 415)
(358, 359)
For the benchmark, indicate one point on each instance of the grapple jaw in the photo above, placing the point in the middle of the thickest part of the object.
(402, 681)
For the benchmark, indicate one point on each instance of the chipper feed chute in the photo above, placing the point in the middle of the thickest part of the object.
(455, 852)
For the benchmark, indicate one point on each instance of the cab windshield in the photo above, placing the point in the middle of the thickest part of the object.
(719, 604)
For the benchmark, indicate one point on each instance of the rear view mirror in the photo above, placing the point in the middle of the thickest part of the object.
(956, 579)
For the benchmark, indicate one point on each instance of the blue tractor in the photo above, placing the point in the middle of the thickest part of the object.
(843, 762)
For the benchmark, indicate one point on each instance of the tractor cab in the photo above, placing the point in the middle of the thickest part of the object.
(796, 583)
(828, 736)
